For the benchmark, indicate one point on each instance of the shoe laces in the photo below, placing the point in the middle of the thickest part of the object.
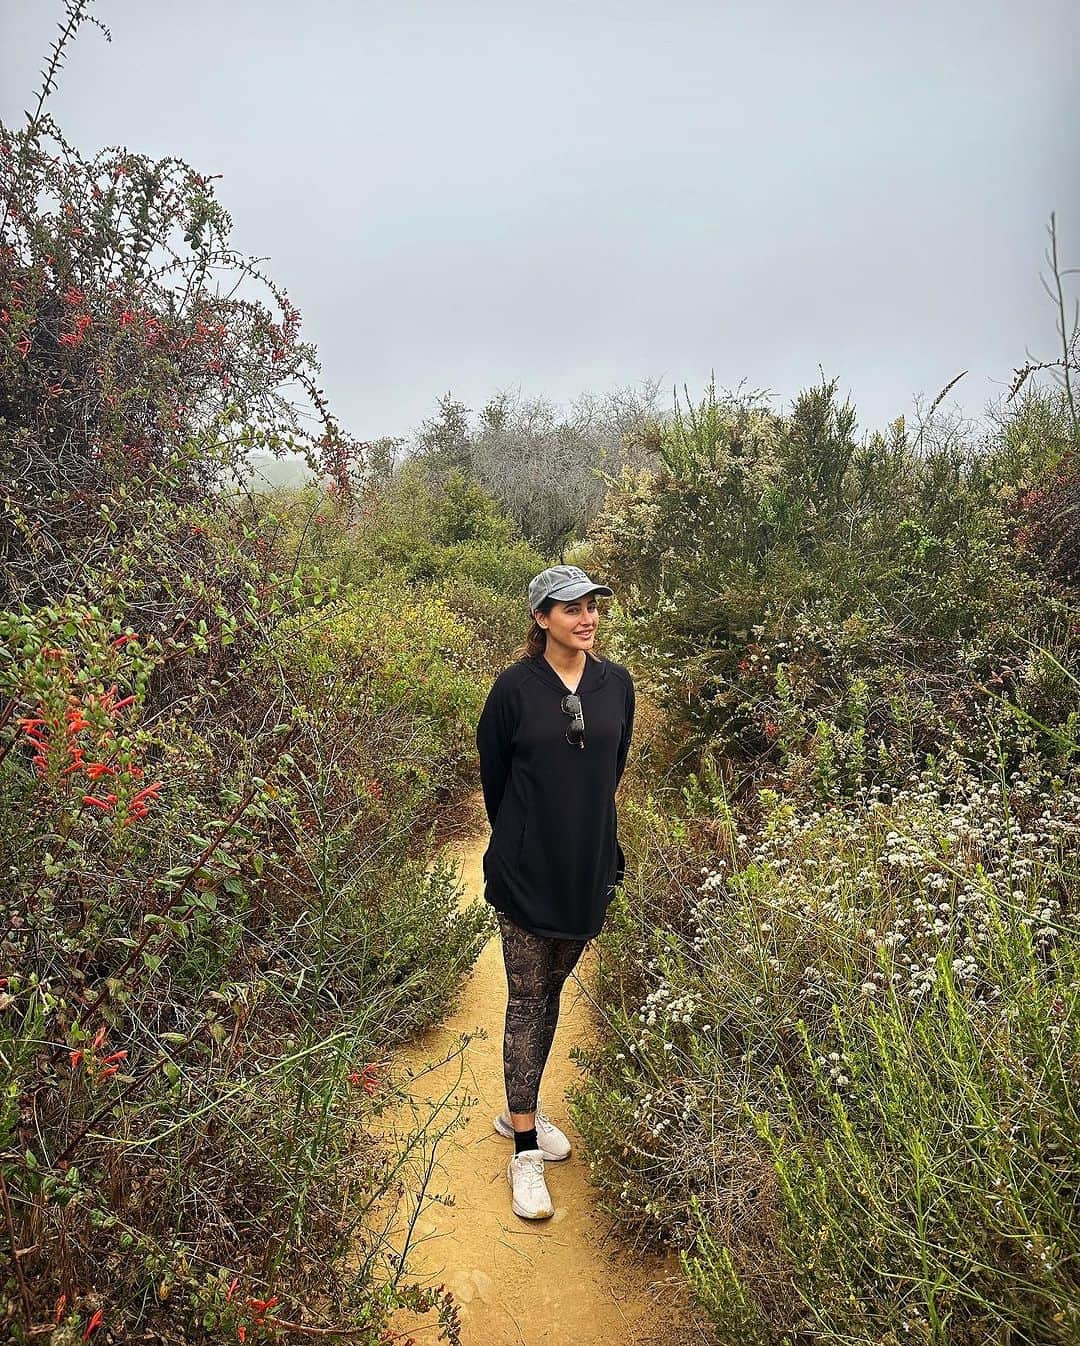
(531, 1168)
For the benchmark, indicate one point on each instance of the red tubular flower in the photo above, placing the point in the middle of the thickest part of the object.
(76, 1057)
(368, 1079)
(71, 339)
(23, 346)
(147, 792)
(95, 770)
(123, 640)
(99, 1037)
(260, 1306)
(105, 803)
(73, 296)
(94, 1323)
(76, 762)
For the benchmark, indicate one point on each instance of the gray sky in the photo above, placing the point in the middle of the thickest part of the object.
(566, 196)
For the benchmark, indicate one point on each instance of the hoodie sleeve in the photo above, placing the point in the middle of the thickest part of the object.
(628, 729)
(494, 734)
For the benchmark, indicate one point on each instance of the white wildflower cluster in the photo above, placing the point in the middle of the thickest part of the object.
(657, 672)
(896, 885)
(673, 1008)
(836, 1065)
(845, 910)
(674, 1106)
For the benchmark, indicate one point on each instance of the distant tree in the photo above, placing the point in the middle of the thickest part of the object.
(382, 458)
(549, 469)
(443, 442)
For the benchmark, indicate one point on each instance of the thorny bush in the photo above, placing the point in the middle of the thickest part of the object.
(213, 922)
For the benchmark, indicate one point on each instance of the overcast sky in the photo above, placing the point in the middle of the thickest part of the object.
(566, 196)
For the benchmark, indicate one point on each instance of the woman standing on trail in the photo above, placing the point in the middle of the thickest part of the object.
(552, 738)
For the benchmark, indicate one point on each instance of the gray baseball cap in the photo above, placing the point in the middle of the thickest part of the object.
(562, 583)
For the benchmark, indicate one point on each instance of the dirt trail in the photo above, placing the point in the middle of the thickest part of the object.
(519, 1282)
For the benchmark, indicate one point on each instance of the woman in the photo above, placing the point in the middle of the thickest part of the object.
(552, 738)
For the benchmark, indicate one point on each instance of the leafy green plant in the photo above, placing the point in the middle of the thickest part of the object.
(221, 906)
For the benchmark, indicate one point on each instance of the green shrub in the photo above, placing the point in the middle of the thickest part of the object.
(774, 568)
(838, 989)
(214, 922)
(427, 529)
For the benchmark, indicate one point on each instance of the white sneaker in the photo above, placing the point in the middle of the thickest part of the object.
(552, 1142)
(525, 1174)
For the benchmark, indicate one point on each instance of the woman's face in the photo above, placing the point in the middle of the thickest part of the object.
(572, 625)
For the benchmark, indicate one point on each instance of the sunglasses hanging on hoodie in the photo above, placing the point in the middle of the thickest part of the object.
(571, 704)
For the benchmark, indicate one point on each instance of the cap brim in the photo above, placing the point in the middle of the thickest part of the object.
(571, 591)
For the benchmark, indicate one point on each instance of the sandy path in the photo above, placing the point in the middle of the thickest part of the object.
(520, 1282)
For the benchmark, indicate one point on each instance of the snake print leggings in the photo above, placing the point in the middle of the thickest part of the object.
(536, 967)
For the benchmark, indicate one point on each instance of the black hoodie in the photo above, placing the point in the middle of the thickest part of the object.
(554, 856)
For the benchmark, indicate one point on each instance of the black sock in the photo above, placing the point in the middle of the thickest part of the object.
(525, 1140)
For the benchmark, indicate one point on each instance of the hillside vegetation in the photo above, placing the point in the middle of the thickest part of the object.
(840, 986)
(837, 992)
(234, 729)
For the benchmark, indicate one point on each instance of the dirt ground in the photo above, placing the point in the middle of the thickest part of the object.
(518, 1282)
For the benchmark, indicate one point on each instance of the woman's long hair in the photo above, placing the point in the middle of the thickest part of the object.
(535, 641)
